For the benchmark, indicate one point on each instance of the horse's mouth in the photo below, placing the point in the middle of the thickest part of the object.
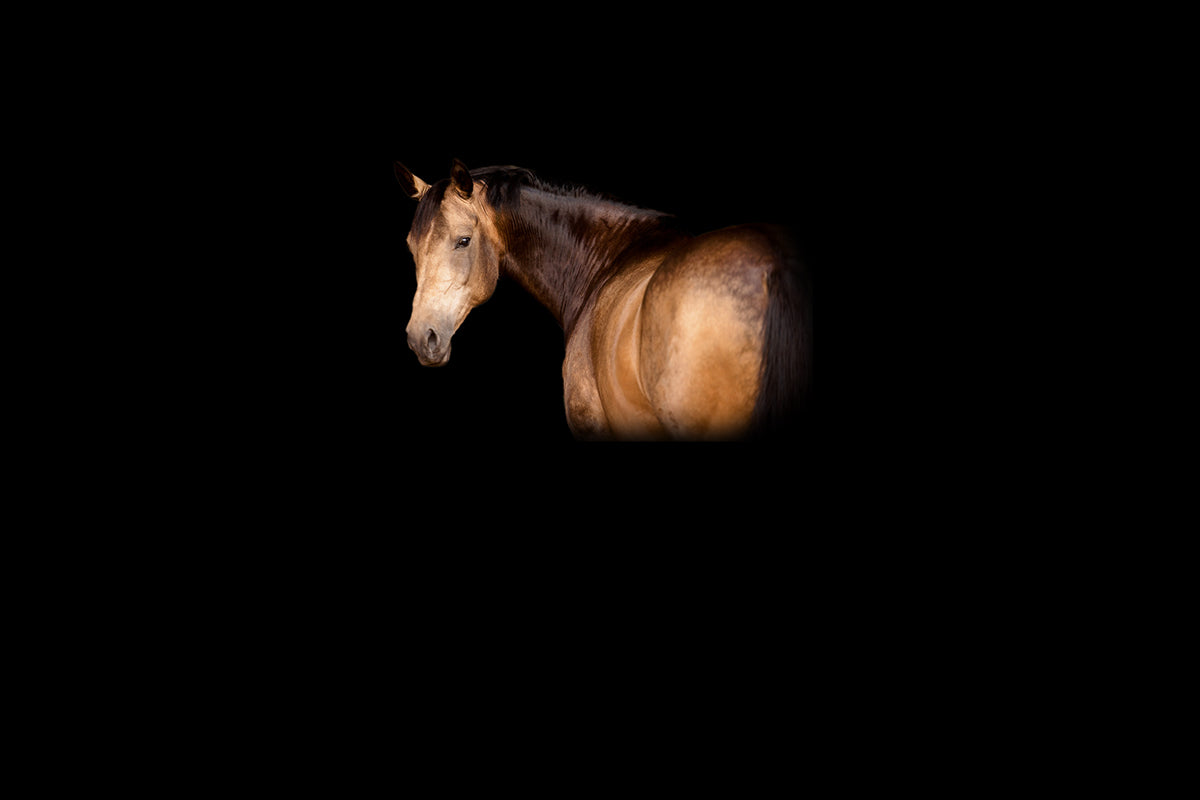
(438, 361)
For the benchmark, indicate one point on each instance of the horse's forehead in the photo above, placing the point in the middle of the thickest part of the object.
(449, 212)
(455, 209)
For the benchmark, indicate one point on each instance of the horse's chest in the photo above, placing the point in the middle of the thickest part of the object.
(585, 414)
(601, 372)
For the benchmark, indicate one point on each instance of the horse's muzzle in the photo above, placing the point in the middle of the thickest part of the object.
(432, 350)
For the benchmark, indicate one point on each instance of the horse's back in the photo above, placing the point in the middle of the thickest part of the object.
(701, 330)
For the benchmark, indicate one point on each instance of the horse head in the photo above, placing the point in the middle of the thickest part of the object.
(456, 248)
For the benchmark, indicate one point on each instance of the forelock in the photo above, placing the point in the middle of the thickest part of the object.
(428, 209)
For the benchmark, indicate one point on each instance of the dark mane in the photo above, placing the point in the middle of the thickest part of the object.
(503, 185)
(501, 180)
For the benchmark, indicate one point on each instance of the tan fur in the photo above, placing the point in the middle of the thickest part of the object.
(615, 339)
(672, 348)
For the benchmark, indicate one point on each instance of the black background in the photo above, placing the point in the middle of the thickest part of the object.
(745, 121)
(262, 374)
(276, 367)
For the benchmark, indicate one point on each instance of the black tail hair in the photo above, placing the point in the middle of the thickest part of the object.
(784, 406)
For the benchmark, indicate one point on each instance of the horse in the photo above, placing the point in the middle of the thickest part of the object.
(668, 335)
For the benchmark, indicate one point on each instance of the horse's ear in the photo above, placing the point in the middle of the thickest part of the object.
(461, 177)
(413, 186)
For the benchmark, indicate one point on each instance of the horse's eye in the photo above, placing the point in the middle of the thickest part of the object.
(463, 241)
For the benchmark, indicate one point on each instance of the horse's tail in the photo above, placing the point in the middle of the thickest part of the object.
(785, 380)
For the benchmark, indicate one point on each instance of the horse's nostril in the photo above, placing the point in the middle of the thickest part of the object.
(431, 342)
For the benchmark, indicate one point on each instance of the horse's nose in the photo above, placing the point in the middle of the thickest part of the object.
(422, 340)
(429, 347)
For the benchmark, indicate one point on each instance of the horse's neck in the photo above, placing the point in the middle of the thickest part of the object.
(561, 248)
